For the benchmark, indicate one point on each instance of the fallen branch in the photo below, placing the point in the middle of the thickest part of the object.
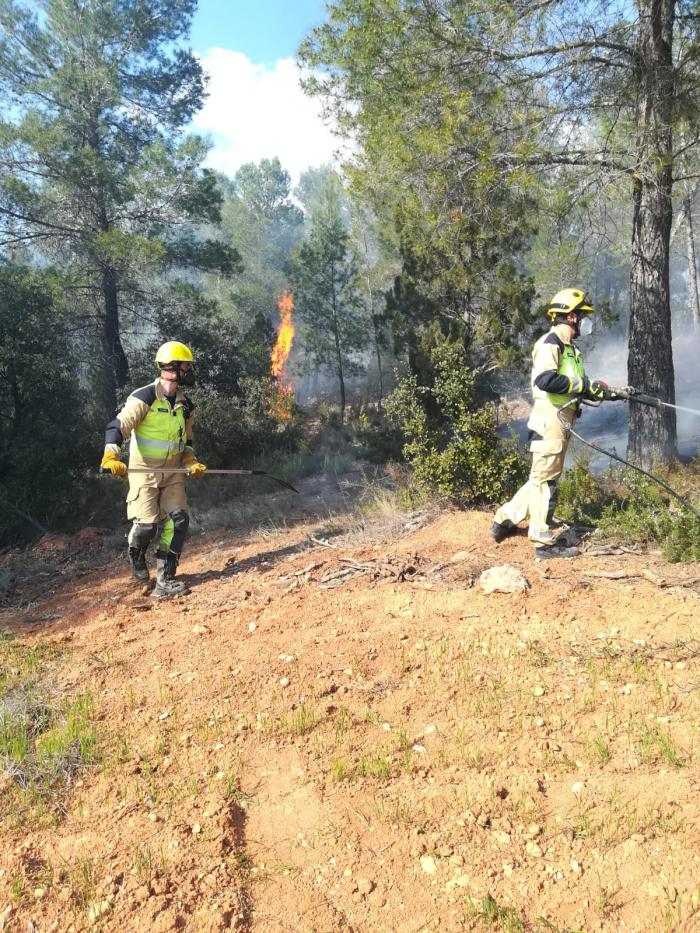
(642, 572)
(309, 569)
(611, 574)
(610, 550)
(322, 542)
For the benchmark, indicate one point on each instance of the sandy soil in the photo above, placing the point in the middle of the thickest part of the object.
(389, 749)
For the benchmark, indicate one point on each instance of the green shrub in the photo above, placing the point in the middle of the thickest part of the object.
(380, 439)
(645, 513)
(451, 442)
(329, 415)
(236, 430)
(630, 508)
(49, 434)
(583, 497)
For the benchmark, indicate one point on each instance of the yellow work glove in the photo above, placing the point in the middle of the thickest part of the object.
(111, 462)
(190, 462)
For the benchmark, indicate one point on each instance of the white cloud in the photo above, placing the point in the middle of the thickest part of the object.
(256, 112)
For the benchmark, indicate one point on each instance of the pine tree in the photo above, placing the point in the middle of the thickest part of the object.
(324, 277)
(99, 175)
(458, 111)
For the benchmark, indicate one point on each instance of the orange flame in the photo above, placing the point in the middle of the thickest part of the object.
(285, 336)
(280, 353)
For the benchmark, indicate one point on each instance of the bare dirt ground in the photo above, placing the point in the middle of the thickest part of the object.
(339, 730)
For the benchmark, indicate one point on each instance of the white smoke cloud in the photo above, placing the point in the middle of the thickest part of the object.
(607, 426)
(256, 112)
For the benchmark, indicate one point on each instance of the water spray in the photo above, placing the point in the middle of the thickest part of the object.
(630, 394)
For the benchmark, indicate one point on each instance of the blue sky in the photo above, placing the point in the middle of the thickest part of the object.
(265, 30)
(256, 108)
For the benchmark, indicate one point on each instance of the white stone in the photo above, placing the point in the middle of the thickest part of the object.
(503, 579)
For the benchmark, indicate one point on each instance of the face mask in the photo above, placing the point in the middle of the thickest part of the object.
(585, 327)
(185, 379)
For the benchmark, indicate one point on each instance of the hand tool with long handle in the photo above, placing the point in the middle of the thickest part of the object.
(213, 472)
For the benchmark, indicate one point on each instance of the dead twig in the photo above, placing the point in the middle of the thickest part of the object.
(611, 550)
(610, 574)
(642, 572)
(322, 542)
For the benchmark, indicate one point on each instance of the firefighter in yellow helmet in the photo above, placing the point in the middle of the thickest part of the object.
(558, 378)
(158, 420)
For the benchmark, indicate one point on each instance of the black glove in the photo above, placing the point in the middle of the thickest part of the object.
(615, 396)
(598, 391)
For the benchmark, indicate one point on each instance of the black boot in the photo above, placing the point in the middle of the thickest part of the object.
(137, 559)
(166, 584)
(502, 530)
(552, 551)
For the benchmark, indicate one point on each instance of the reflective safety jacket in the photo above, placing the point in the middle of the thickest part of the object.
(558, 376)
(160, 428)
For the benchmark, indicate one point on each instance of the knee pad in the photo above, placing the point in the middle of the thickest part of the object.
(553, 496)
(181, 522)
(142, 534)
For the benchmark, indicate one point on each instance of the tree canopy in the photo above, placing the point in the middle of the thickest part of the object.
(459, 112)
(99, 174)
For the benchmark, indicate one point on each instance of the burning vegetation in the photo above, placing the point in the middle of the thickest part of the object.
(282, 391)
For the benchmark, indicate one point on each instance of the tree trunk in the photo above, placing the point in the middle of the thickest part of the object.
(375, 328)
(652, 431)
(693, 293)
(377, 350)
(338, 350)
(116, 368)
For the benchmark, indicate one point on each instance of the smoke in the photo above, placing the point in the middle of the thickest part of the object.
(608, 425)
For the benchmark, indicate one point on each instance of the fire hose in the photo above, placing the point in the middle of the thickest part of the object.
(630, 394)
(185, 471)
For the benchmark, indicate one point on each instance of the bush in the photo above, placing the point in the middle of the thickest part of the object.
(48, 428)
(630, 508)
(450, 442)
(646, 514)
(236, 430)
(582, 496)
(379, 438)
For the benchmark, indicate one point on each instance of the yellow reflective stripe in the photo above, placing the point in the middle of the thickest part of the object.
(167, 533)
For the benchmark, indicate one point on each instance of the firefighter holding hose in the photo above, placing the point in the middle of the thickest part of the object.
(158, 420)
(559, 384)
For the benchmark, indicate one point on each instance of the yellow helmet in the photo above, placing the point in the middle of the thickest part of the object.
(568, 300)
(174, 352)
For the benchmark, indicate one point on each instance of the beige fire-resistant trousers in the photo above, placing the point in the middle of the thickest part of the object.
(536, 499)
(154, 496)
